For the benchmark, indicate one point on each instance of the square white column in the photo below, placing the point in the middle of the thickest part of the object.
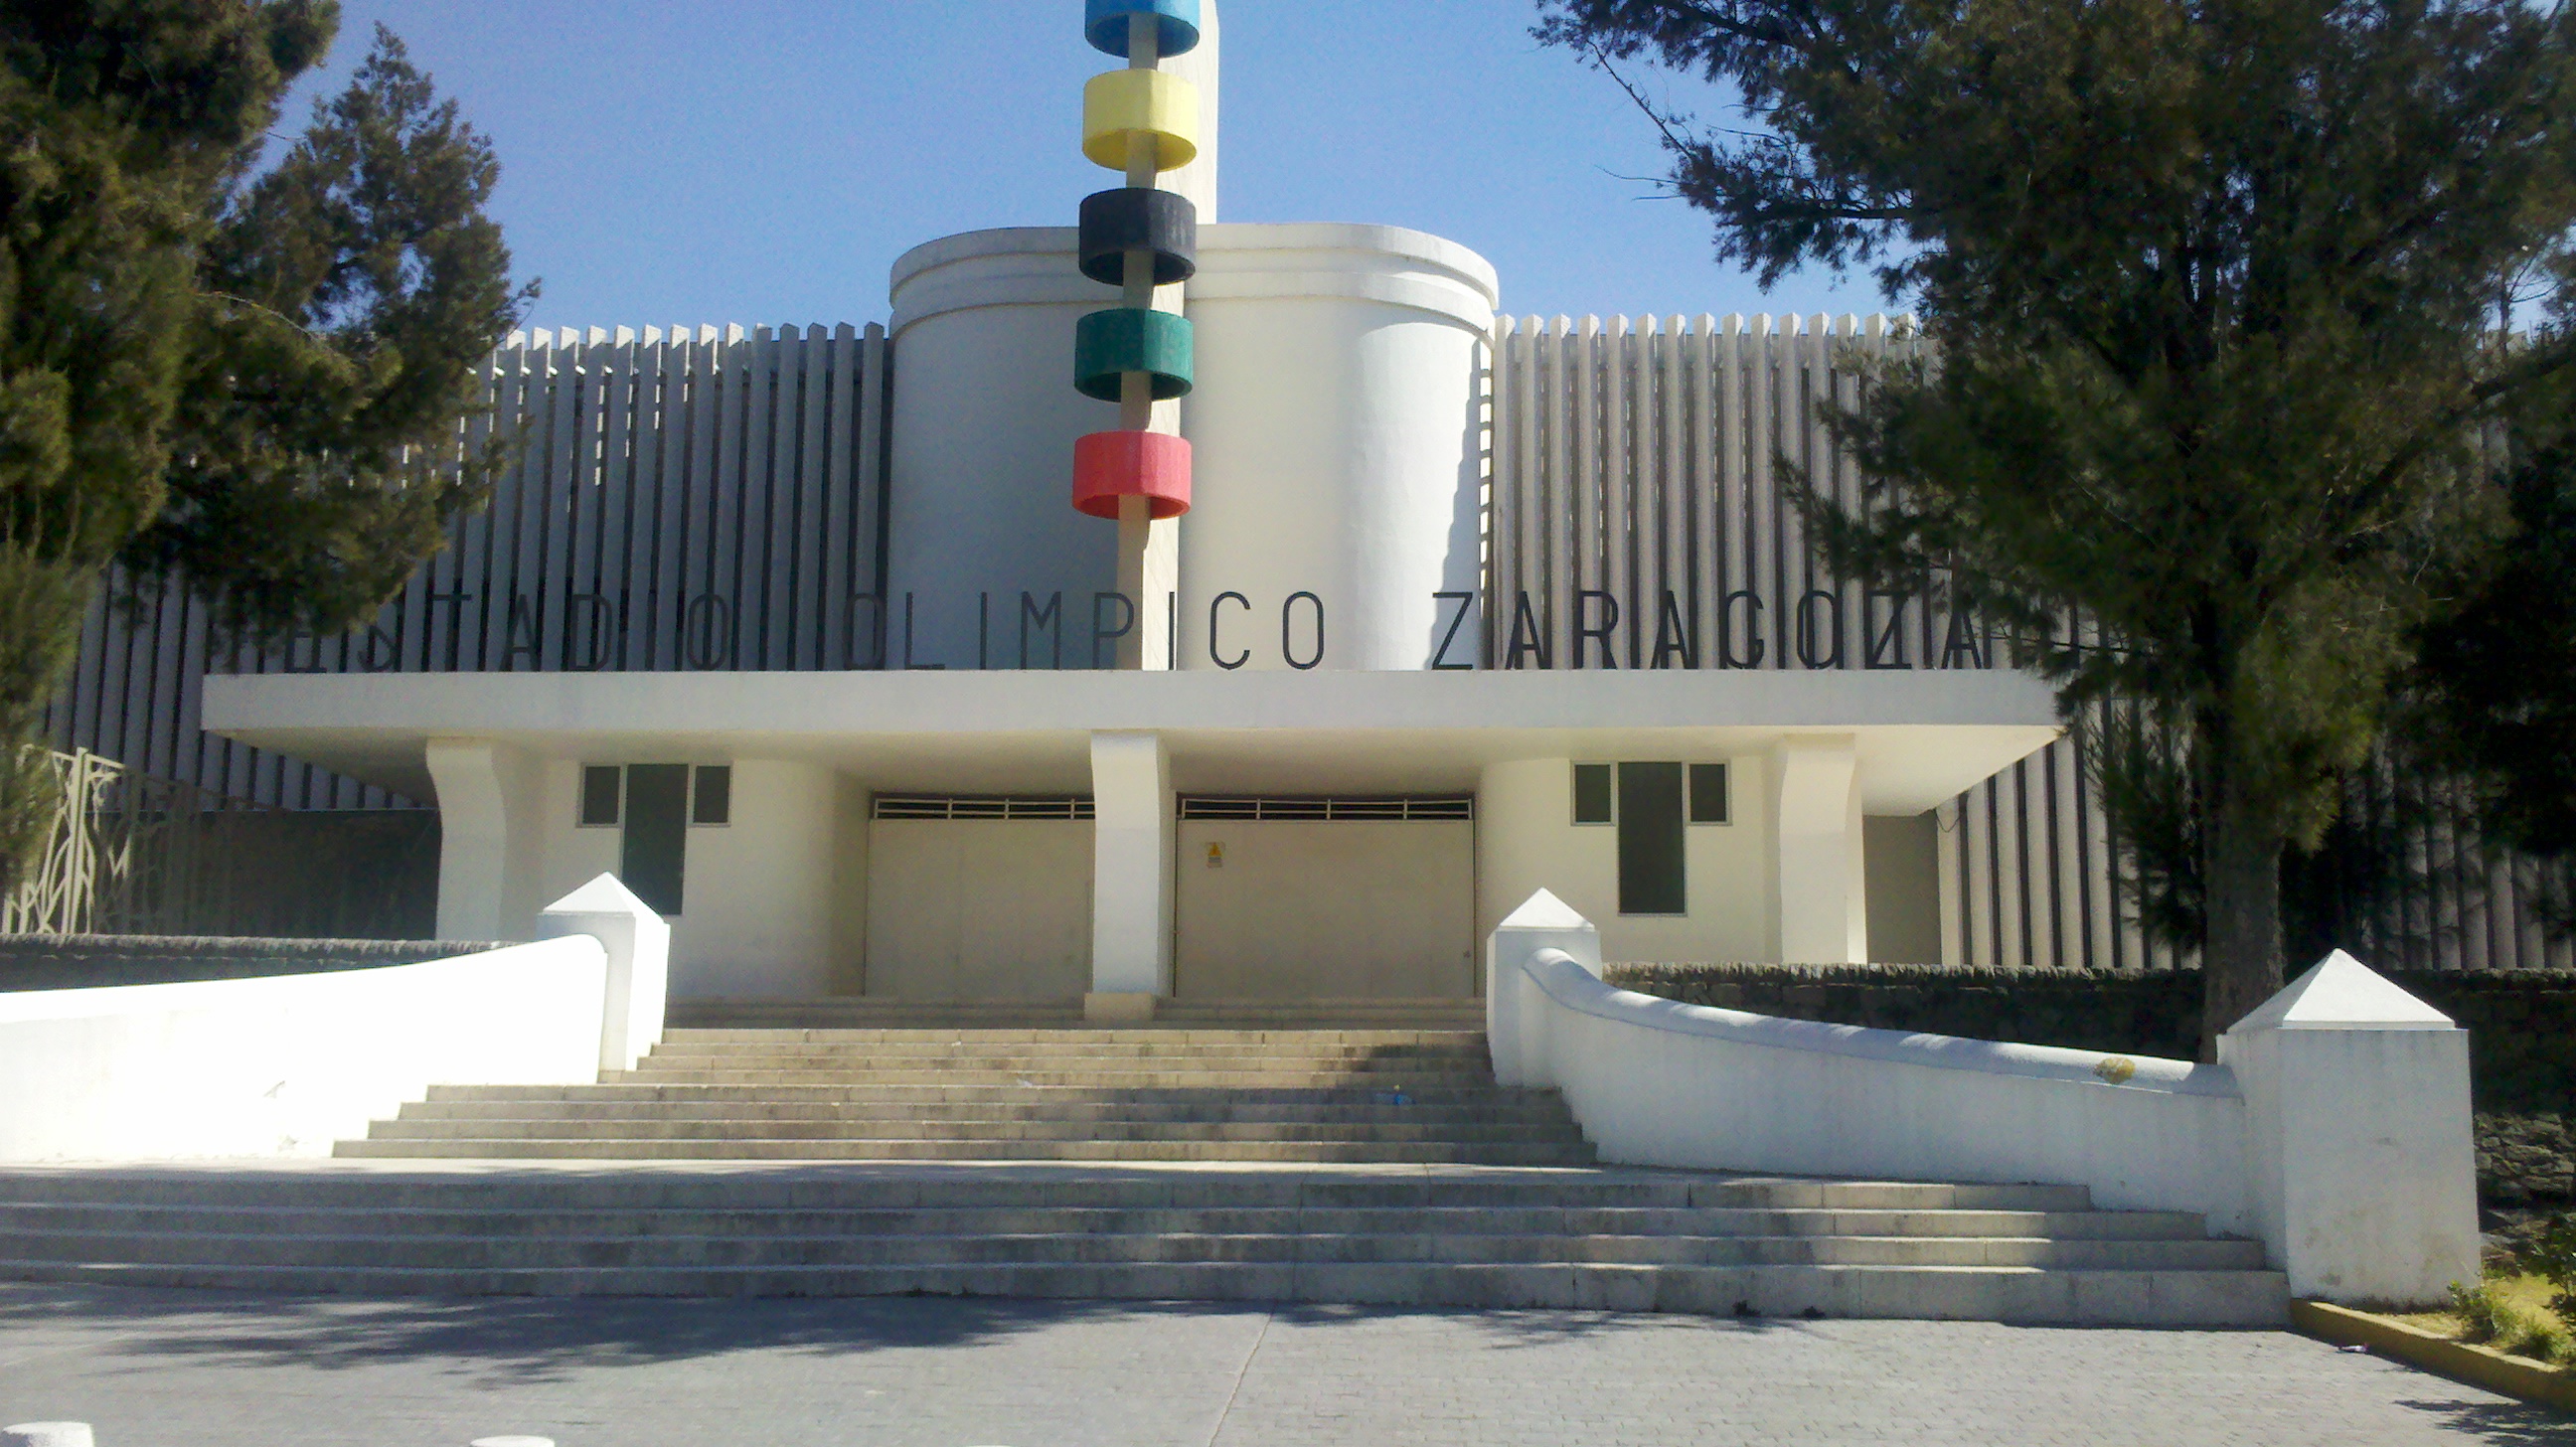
(2359, 1142)
(1820, 910)
(1131, 873)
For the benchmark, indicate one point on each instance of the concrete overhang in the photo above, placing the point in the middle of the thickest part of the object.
(1921, 736)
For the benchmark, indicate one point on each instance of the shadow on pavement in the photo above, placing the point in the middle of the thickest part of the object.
(2505, 1424)
(535, 1338)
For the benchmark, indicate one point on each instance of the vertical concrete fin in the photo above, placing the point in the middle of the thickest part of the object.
(1131, 869)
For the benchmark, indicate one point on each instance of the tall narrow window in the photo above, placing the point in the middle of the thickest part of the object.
(1708, 793)
(1651, 877)
(711, 802)
(657, 833)
(599, 788)
(1592, 793)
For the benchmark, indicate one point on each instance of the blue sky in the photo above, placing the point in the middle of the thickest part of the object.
(766, 160)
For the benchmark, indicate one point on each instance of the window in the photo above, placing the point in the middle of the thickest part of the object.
(1651, 876)
(1592, 793)
(1708, 793)
(600, 786)
(656, 843)
(655, 804)
(711, 802)
(1651, 805)
(981, 806)
(1330, 807)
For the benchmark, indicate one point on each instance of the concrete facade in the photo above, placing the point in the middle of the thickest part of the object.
(1308, 632)
(801, 893)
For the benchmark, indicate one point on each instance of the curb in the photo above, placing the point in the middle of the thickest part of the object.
(2462, 1361)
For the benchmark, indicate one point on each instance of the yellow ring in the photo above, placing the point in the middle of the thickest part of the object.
(1118, 104)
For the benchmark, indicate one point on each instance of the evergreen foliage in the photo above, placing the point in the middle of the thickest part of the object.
(2210, 286)
(2498, 679)
(251, 382)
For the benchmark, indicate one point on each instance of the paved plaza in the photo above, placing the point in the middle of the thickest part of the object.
(187, 1369)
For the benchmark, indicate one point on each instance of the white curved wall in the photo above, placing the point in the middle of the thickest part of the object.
(289, 1064)
(980, 489)
(1334, 426)
(2335, 1124)
(1335, 436)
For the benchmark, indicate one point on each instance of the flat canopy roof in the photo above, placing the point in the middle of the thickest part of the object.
(1922, 736)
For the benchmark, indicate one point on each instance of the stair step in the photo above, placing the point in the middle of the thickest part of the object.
(537, 1220)
(1209, 1060)
(2007, 1294)
(1005, 1109)
(921, 1094)
(733, 1249)
(774, 1149)
(969, 1131)
(1467, 1046)
(1067, 1071)
(1076, 1188)
(1238, 1015)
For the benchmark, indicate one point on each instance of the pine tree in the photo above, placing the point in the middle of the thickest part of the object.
(2208, 288)
(249, 381)
(2494, 693)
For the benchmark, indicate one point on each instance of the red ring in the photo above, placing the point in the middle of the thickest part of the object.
(1108, 466)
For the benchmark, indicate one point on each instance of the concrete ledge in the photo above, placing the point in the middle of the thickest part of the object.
(1919, 737)
(1571, 985)
(2468, 1362)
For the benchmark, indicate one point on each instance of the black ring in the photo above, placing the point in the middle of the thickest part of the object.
(1134, 218)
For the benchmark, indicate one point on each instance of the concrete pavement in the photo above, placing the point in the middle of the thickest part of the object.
(203, 1369)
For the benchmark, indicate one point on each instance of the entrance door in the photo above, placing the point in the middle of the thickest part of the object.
(652, 857)
(1308, 898)
(979, 898)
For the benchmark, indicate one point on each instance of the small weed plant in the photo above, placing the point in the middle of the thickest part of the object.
(2488, 1316)
(2551, 1255)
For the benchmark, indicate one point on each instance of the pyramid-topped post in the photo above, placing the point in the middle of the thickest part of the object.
(2358, 1139)
(1543, 922)
(638, 941)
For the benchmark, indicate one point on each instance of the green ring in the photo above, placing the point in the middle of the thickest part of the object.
(1107, 344)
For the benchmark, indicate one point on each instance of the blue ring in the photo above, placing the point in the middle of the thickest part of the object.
(1104, 24)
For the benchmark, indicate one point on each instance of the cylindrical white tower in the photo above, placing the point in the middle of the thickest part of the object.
(1335, 427)
(983, 422)
(1336, 431)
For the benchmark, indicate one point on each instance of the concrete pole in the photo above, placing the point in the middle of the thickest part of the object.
(1148, 551)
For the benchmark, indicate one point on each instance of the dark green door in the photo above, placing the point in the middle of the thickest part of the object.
(657, 833)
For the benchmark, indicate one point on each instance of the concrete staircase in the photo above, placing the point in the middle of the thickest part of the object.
(1178, 1162)
(1621, 1240)
(865, 1012)
(887, 1094)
